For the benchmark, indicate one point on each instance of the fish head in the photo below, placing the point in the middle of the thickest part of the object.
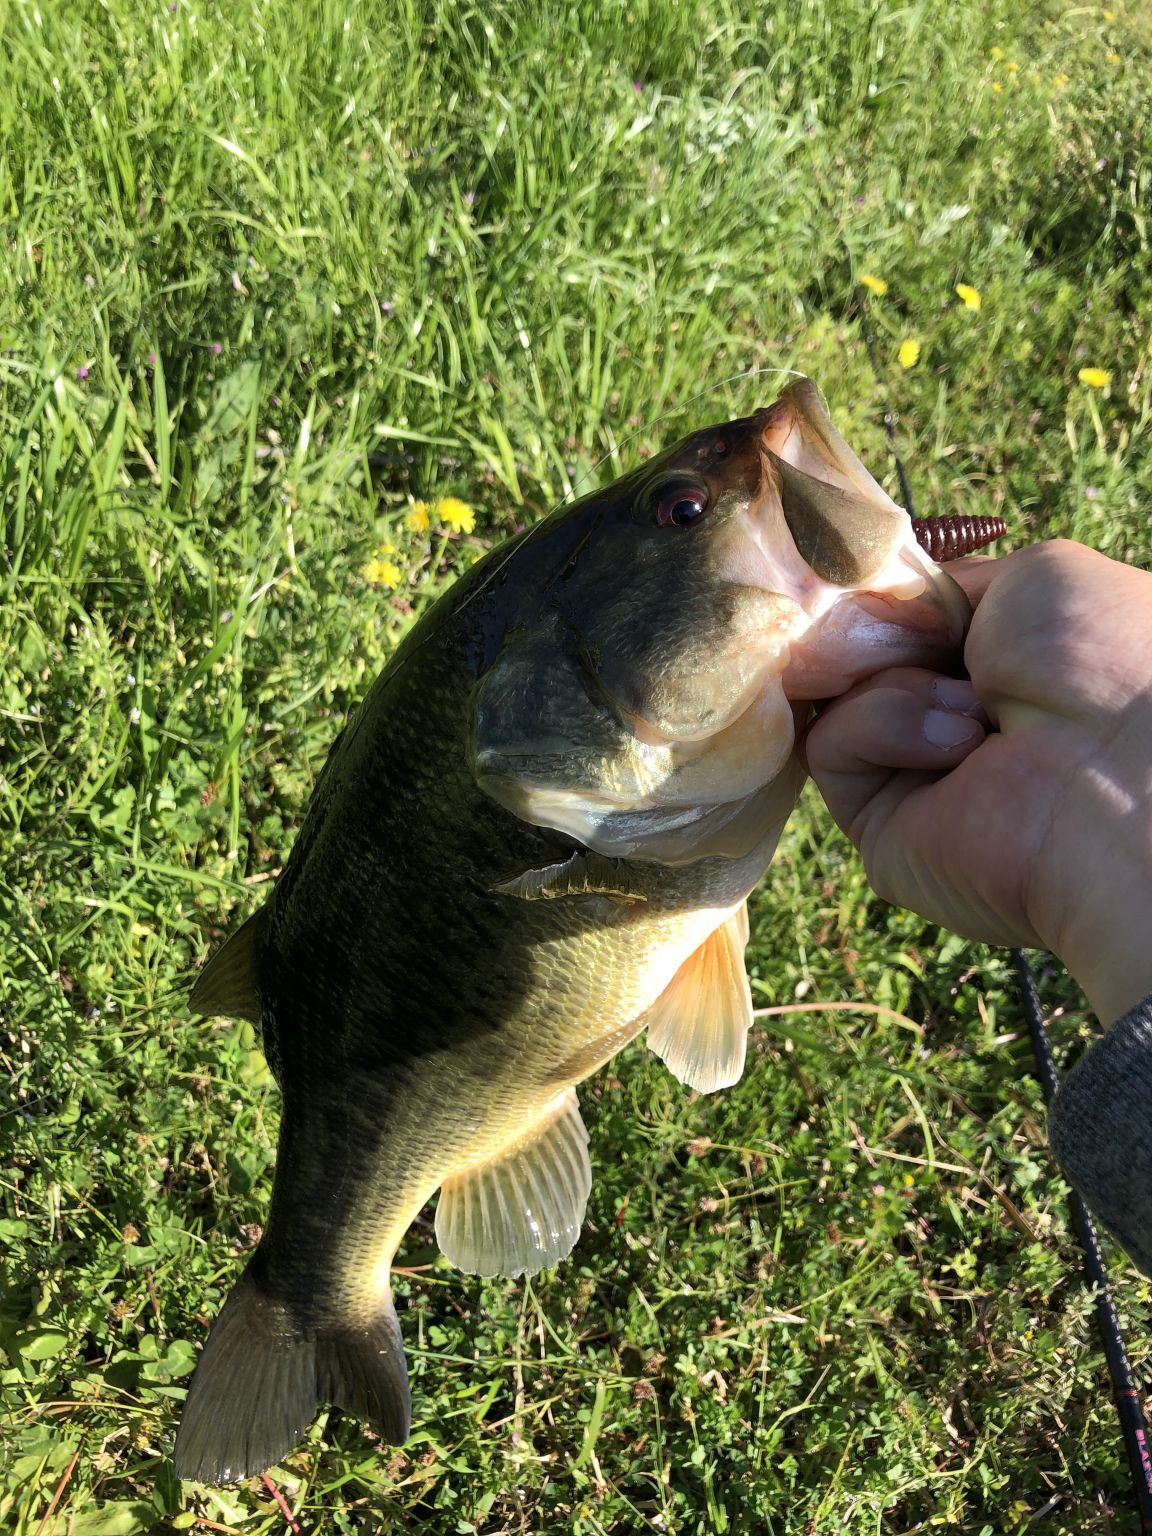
(648, 700)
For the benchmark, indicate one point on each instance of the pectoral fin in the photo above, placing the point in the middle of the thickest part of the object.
(522, 1211)
(699, 1025)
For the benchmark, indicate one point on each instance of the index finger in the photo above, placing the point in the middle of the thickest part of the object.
(974, 574)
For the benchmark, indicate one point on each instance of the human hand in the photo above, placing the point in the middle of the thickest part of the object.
(1016, 808)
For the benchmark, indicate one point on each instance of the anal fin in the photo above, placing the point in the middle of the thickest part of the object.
(699, 1024)
(522, 1210)
(228, 984)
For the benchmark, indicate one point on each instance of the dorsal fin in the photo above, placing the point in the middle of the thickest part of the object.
(699, 1024)
(229, 984)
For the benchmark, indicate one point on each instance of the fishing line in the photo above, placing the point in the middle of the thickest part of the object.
(1125, 1393)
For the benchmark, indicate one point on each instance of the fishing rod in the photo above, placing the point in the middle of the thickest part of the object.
(1125, 1393)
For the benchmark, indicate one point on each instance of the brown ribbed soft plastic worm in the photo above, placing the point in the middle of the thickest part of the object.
(947, 538)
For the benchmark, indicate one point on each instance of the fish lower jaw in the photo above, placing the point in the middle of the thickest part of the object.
(854, 644)
(893, 622)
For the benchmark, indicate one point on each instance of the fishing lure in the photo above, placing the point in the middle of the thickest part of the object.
(950, 537)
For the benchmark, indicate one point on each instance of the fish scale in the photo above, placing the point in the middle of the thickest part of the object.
(488, 997)
(533, 840)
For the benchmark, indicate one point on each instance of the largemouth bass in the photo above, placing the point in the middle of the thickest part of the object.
(535, 839)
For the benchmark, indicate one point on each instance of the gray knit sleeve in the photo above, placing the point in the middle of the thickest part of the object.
(1100, 1127)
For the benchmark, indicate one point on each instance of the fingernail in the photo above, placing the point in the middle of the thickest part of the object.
(956, 694)
(945, 730)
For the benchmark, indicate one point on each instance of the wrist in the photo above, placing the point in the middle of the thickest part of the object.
(1106, 938)
(1114, 969)
(1089, 892)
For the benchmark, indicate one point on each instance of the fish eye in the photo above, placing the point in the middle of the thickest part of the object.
(678, 505)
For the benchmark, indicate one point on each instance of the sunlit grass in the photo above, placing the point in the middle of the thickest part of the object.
(273, 278)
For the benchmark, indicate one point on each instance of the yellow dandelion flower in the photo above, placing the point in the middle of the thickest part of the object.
(385, 549)
(876, 284)
(996, 53)
(1095, 378)
(457, 514)
(417, 519)
(970, 297)
(997, 87)
(383, 573)
(1108, 15)
(1059, 80)
(1113, 58)
(1011, 67)
(909, 353)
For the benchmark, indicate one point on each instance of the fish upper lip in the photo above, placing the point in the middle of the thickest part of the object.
(775, 426)
(768, 418)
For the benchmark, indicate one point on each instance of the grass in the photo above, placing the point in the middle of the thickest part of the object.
(268, 275)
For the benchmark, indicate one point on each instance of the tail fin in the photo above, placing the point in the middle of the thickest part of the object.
(260, 1380)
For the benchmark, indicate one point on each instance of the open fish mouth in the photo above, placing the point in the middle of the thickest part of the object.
(828, 486)
(769, 571)
(870, 592)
